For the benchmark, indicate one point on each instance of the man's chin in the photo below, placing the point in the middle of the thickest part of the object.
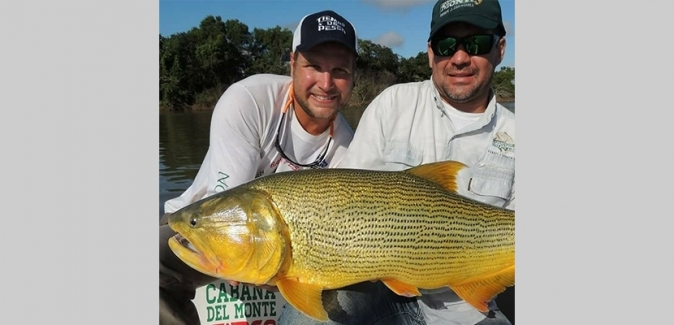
(322, 112)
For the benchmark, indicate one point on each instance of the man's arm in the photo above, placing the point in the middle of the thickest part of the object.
(236, 128)
(234, 148)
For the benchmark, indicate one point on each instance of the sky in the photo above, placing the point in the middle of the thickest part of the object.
(402, 25)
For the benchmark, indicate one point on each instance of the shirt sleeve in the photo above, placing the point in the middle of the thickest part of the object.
(367, 147)
(234, 150)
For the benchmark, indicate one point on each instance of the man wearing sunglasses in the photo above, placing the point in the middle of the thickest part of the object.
(452, 116)
(266, 124)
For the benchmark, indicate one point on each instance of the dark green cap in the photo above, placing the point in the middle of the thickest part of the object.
(485, 14)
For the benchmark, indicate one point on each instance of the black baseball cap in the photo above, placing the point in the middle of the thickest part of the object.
(485, 14)
(324, 26)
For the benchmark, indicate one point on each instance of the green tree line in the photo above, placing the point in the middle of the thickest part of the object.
(195, 67)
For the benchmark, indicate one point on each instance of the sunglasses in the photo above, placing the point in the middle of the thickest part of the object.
(320, 160)
(474, 44)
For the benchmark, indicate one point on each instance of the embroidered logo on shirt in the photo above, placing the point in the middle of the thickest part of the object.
(504, 142)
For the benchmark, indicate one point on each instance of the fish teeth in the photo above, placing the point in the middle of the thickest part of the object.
(190, 246)
(186, 243)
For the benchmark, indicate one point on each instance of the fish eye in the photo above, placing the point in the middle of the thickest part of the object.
(193, 221)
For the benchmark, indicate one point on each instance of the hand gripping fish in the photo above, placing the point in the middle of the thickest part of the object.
(313, 230)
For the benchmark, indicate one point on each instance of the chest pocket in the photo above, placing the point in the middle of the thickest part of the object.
(493, 175)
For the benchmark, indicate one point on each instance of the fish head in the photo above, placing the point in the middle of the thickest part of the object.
(236, 235)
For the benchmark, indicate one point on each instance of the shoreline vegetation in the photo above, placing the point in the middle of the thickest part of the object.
(209, 107)
(197, 66)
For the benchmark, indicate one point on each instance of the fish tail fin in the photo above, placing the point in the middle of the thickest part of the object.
(442, 173)
(479, 292)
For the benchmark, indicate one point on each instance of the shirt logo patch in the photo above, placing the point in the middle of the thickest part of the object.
(504, 142)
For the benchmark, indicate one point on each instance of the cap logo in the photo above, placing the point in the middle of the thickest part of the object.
(450, 5)
(330, 23)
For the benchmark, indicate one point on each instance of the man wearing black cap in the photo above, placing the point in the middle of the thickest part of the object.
(266, 124)
(452, 116)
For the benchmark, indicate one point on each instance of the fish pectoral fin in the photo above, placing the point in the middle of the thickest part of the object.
(401, 288)
(478, 292)
(305, 297)
(442, 173)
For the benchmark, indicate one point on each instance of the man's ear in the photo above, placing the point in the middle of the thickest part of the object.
(501, 46)
(292, 62)
(430, 55)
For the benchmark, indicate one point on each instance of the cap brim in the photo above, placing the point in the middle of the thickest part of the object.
(308, 46)
(476, 20)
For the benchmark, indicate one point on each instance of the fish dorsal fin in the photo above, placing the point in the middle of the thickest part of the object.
(442, 173)
(304, 297)
(478, 292)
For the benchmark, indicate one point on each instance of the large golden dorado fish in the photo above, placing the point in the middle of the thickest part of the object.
(312, 230)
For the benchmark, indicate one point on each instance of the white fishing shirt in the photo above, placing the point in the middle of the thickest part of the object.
(242, 136)
(408, 125)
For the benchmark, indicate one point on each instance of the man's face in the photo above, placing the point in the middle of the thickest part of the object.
(461, 77)
(323, 79)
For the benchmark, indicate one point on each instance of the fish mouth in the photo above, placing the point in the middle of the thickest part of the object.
(191, 256)
(185, 250)
(184, 242)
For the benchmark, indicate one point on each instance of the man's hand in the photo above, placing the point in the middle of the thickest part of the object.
(164, 219)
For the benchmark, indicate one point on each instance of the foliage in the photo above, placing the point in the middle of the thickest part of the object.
(503, 83)
(415, 68)
(196, 66)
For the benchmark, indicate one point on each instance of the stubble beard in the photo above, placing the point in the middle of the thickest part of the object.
(316, 112)
(466, 96)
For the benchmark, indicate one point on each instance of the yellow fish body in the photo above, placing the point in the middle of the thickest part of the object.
(312, 230)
